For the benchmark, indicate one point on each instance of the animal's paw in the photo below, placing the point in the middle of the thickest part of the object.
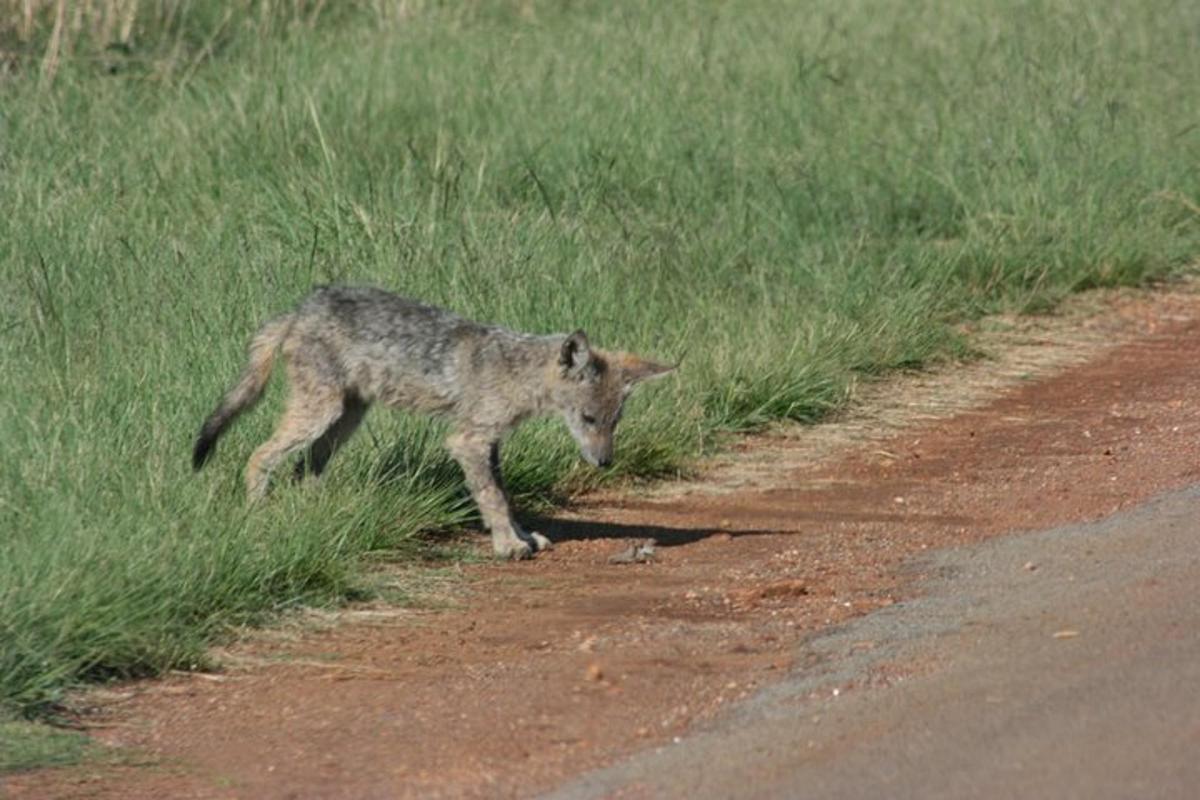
(540, 542)
(512, 549)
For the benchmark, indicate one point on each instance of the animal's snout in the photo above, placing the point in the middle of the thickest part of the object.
(595, 447)
(598, 459)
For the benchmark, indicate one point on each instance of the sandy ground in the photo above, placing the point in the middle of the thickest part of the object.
(538, 672)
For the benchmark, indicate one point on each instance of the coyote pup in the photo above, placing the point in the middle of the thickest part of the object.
(347, 347)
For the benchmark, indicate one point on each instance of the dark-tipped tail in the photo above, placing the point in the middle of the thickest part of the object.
(245, 393)
(213, 427)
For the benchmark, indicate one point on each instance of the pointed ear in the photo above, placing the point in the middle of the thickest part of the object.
(637, 370)
(575, 352)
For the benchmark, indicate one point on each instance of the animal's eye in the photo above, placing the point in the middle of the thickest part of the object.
(588, 419)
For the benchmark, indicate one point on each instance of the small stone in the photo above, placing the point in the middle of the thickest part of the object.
(641, 552)
(594, 672)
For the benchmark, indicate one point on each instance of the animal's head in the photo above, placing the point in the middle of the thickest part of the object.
(591, 389)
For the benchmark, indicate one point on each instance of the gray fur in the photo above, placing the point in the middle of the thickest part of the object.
(348, 347)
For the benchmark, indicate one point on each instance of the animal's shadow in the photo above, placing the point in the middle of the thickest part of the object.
(567, 530)
(424, 465)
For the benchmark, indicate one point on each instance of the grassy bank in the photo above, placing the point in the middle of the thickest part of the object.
(789, 195)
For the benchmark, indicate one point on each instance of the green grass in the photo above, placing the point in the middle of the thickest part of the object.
(26, 745)
(784, 195)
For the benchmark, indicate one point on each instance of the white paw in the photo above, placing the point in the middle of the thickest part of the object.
(540, 542)
(512, 549)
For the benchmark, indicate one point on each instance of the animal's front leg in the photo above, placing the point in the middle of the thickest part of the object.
(533, 538)
(474, 456)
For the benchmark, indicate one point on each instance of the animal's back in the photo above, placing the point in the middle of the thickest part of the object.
(384, 346)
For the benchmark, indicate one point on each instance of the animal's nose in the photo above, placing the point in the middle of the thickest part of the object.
(604, 461)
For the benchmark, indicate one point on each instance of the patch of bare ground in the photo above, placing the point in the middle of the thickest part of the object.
(545, 669)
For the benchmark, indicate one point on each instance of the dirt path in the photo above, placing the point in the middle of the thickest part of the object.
(564, 664)
(1053, 664)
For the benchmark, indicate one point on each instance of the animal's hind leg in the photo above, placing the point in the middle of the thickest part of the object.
(324, 448)
(310, 412)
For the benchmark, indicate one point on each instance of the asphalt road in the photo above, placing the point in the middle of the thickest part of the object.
(1055, 664)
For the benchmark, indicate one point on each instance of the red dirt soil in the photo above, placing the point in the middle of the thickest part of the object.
(548, 668)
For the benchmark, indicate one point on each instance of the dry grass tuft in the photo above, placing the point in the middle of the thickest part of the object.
(50, 32)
